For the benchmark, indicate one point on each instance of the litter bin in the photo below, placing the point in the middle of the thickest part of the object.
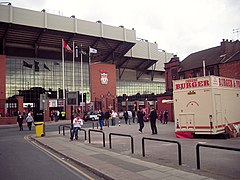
(39, 127)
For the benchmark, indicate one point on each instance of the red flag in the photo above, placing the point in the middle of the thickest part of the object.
(67, 47)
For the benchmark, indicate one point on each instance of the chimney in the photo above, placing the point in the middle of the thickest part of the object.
(230, 47)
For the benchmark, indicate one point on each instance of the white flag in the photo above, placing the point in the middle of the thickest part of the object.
(92, 50)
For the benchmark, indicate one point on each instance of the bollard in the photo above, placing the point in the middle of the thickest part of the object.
(119, 123)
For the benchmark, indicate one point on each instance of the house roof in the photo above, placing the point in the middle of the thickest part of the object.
(195, 60)
(228, 51)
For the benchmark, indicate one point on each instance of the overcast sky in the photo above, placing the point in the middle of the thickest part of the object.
(178, 26)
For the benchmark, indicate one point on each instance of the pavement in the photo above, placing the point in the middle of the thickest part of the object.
(118, 162)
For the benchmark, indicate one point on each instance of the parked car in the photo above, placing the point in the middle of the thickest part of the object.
(90, 116)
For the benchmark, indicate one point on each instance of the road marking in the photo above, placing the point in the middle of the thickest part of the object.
(56, 157)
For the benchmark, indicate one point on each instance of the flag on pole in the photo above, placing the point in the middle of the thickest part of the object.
(45, 66)
(92, 50)
(67, 47)
(27, 65)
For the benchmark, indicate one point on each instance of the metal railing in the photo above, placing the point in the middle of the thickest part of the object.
(163, 140)
(116, 134)
(59, 128)
(100, 131)
(211, 146)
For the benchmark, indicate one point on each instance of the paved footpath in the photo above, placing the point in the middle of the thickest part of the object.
(111, 163)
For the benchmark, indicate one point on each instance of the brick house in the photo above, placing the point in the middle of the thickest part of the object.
(223, 60)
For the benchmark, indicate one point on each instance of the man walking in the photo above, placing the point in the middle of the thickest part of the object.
(20, 120)
(153, 117)
(101, 118)
(165, 114)
(140, 115)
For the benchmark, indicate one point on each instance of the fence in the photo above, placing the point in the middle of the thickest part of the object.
(211, 146)
(163, 140)
(116, 134)
(94, 130)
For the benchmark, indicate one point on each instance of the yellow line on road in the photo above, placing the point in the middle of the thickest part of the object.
(56, 157)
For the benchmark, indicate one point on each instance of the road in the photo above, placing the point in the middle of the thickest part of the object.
(20, 159)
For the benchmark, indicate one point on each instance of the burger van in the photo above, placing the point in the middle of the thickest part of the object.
(206, 105)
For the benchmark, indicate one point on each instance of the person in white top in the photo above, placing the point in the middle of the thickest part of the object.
(29, 120)
(114, 116)
(77, 123)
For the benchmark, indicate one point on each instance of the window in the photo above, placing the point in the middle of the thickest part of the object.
(210, 71)
(174, 74)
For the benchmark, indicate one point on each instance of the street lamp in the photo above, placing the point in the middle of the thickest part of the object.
(45, 107)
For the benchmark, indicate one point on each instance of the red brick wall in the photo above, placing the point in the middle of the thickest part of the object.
(20, 103)
(173, 64)
(2, 82)
(102, 91)
(163, 106)
(8, 120)
(230, 70)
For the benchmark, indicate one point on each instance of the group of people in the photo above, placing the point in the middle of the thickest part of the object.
(112, 115)
(109, 115)
(57, 115)
(153, 116)
(126, 117)
(29, 120)
(78, 122)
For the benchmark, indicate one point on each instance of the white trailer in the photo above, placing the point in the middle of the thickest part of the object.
(205, 105)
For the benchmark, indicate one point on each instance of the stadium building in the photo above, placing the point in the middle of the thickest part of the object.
(37, 71)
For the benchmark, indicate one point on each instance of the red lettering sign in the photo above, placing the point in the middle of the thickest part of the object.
(192, 83)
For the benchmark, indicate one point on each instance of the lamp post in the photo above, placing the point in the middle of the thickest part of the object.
(45, 107)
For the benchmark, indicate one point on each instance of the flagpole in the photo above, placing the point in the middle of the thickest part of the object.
(204, 68)
(81, 78)
(73, 66)
(63, 72)
(89, 73)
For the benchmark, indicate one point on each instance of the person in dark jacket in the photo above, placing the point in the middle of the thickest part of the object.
(153, 118)
(165, 114)
(140, 115)
(133, 115)
(20, 120)
(125, 115)
(107, 117)
(101, 118)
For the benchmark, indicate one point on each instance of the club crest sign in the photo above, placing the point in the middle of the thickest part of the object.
(104, 77)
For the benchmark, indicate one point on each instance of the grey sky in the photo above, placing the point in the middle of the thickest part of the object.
(178, 26)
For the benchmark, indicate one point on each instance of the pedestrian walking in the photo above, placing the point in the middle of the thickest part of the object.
(107, 117)
(29, 120)
(160, 116)
(153, 118)
(125, 115)
(77, 124)
(165, 114)
(101, 118)
(133, 115)
(114, 117)
(20, 121)
(140, 115)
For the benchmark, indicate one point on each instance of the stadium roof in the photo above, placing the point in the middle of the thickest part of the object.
(28, 33)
